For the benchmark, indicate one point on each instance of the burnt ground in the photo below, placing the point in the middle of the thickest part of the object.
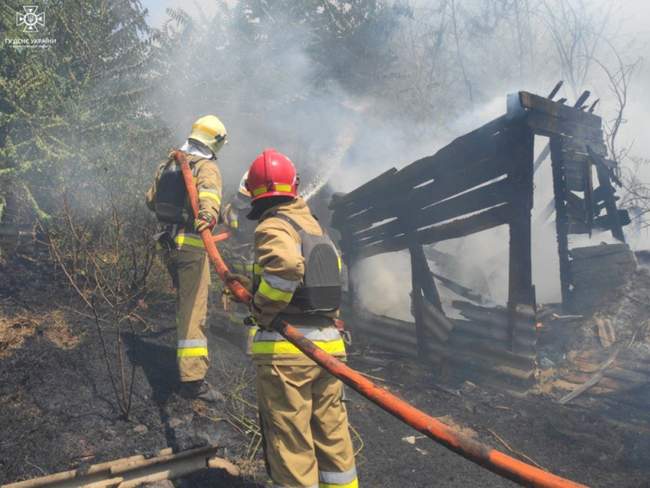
(59, 409)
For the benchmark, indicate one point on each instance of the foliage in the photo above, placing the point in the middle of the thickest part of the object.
(77, 143)
(73, 117)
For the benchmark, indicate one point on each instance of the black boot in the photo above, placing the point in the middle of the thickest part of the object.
(200, 390)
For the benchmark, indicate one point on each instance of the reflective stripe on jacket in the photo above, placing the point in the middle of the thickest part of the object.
(271, 343)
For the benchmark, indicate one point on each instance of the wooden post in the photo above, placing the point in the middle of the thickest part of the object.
(425, 276)
(418, 309)
(422, 285)
(350, 259)
(520, 279)
(561, 217)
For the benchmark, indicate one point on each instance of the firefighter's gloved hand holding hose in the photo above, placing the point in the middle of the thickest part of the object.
(495, 461)
(204, 221)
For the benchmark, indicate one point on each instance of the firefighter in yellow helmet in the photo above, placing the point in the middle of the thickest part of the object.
(183, 249)
(297, 278)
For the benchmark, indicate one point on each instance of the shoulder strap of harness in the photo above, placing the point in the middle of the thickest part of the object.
(286, 218)
(298, 228)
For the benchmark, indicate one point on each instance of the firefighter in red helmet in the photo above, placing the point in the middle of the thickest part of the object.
(297, 278)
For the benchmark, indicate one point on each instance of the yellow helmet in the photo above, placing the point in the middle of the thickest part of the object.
(243, 191)
(210, 131)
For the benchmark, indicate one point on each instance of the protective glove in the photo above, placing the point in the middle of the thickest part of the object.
(204, 221)
(252, 321)
(243, 280)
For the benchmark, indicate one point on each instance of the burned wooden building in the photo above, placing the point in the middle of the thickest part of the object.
(482, 180)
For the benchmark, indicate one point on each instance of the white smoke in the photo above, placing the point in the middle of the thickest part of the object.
(344, 139)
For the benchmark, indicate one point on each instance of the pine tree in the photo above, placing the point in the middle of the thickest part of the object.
(75, 111)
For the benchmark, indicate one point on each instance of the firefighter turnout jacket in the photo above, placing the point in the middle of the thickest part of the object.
(168, 198)
(281, 290)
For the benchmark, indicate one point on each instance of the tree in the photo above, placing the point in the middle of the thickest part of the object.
(73, 112)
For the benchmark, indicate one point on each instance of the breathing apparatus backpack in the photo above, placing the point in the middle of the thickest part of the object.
(321, 288)
(171, 196)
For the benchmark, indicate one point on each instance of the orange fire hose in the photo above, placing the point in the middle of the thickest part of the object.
(208, 239)
(491, 459)
(221, 237)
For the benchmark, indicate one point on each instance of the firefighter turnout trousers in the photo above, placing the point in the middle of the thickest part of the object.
(190, 271)
(305, 426)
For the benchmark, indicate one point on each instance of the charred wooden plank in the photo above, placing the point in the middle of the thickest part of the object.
(610, 202)
(574, 181)
(466, 203)
(479, 144)
(551, 126)
(582, 99)
(561, 218)
(487, 368)
(485, 330)
(524, 359)
(495, 317)
(417, 299)
(520, 279)
(436, 322)
(597, 275)
(459, 289)
(577, 227)
(476, 144)
(457, 179)
(576, 208)
(555, 89)
(487, 219)
(590, 252)
(363, 190)
(535, 103)
(578, 145)
(458, 228)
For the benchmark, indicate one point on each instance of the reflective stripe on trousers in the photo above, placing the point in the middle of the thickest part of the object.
(283, 486)
(334, 479)
(327, 338)
(192, 348)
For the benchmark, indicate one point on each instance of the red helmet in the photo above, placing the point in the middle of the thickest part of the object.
(272, 174)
